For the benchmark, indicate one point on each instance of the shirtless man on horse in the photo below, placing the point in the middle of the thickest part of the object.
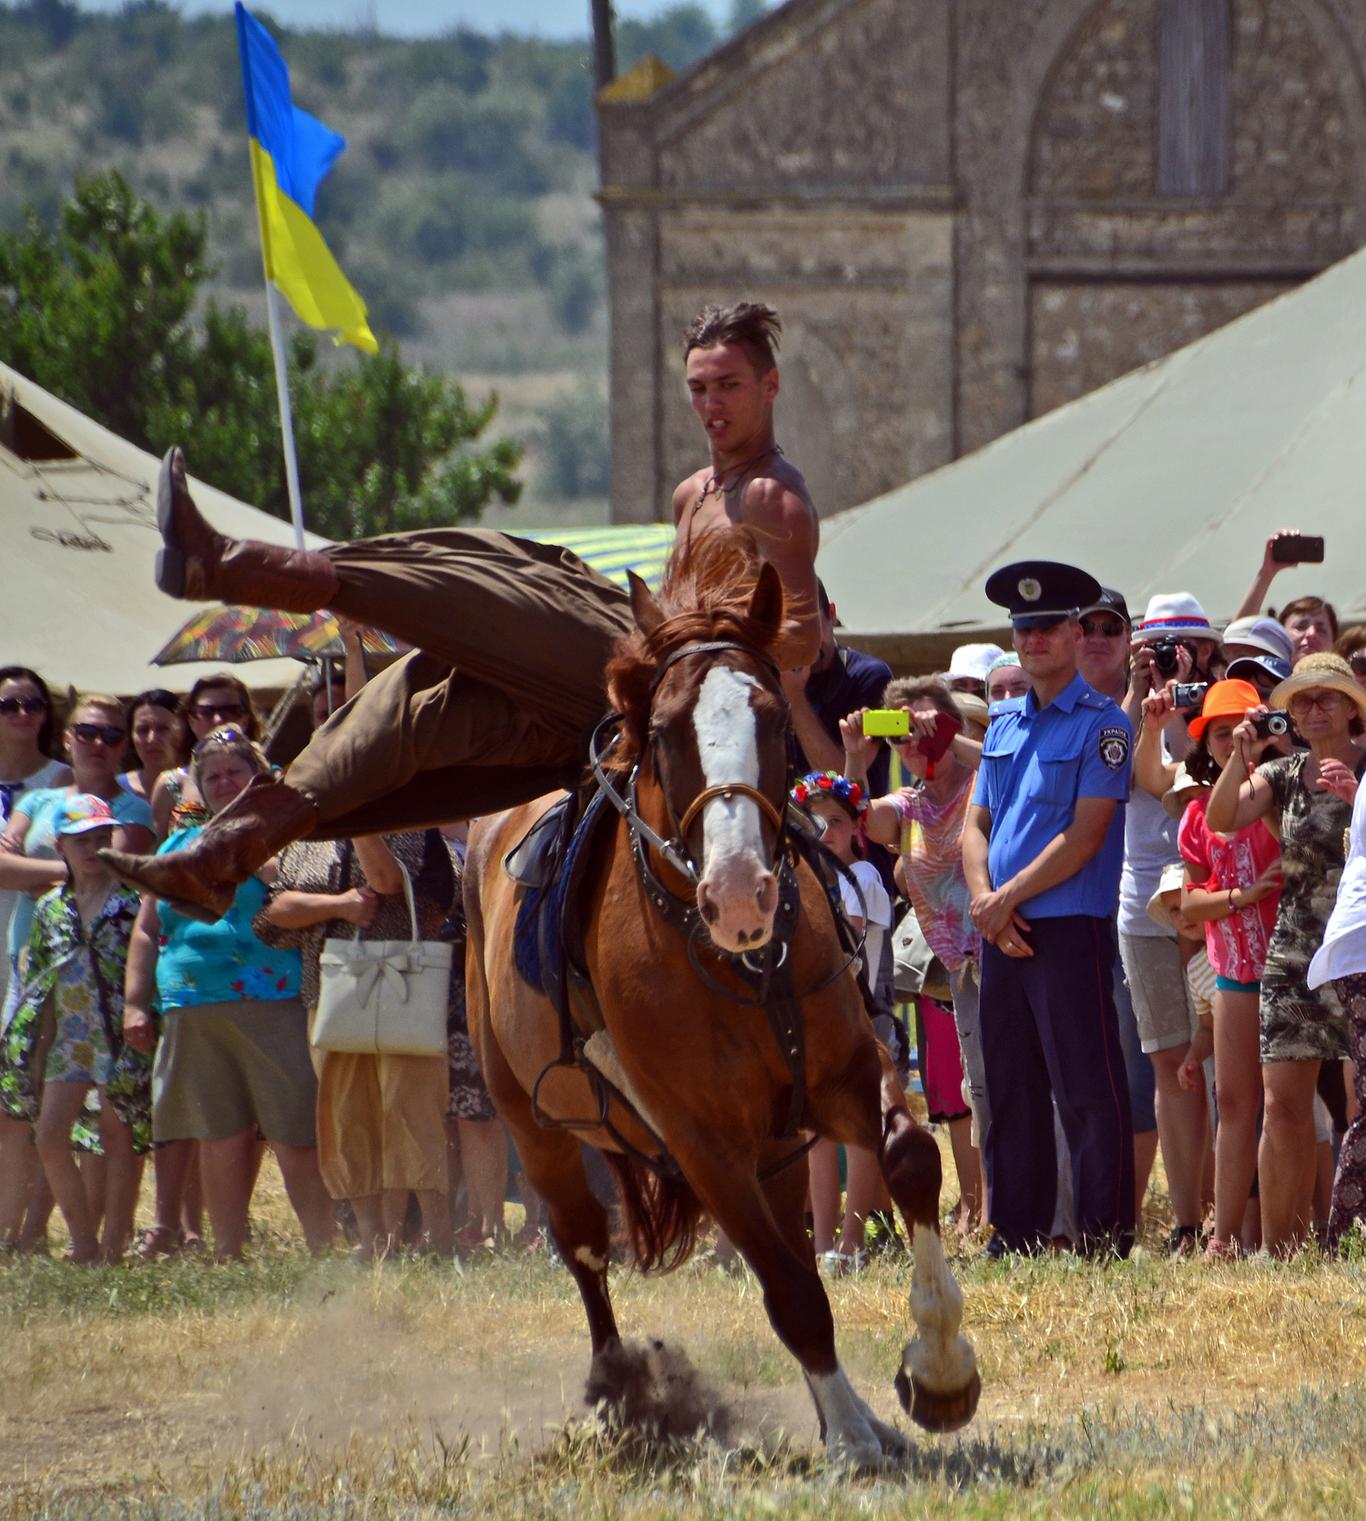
(510, 638)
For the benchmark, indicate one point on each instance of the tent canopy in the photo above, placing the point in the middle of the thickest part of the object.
(1168, 479)
(78, 540)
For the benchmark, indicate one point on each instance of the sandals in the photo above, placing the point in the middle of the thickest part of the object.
(837, 1264)
(1183, 1241)
(158, 1241)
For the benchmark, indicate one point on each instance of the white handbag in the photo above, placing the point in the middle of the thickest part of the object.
(384, 996)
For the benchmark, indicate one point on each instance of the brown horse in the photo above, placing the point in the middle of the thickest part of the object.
(693, 1063)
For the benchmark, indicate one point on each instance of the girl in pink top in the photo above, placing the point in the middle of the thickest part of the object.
(1233, 884)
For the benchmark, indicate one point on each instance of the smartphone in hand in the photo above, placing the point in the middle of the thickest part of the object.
(1298, 549)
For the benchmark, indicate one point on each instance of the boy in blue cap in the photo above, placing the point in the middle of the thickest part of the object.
(1042, 849)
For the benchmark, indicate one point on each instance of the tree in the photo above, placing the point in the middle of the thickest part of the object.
(101, 312)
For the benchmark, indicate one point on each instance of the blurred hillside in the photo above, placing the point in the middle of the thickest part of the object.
(462, 209)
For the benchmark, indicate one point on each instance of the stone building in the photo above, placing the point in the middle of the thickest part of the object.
(966, 211)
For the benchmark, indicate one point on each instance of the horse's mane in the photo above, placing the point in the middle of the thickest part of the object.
(705, 594)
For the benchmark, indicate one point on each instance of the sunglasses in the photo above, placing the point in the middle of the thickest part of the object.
(109, 734)
(223, 736)
(1305, 702)
(1107, 628)
(1357, 663)
(9, 706)
(218, 710)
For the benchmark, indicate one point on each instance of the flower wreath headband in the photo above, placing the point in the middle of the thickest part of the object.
(833, 785)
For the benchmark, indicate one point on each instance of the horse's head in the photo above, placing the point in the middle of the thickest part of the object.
(718, 744)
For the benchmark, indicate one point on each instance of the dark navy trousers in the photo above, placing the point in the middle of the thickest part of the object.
(1049, 1031)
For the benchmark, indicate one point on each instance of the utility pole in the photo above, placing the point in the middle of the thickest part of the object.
(604, 48)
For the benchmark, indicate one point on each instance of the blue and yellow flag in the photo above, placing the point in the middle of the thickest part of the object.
(291, 152)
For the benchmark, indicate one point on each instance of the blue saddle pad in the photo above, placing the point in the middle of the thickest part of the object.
(538, 941)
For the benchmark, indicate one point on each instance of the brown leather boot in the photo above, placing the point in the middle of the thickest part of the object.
(201, 880)
(202, 565)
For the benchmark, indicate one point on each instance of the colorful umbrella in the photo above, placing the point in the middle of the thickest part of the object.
(234, 634)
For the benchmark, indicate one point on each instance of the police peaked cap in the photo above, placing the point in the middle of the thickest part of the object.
(1042, 591)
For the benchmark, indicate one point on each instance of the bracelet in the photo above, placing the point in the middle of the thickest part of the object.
(1232, 906)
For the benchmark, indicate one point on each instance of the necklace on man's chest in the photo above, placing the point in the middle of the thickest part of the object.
(717, 481)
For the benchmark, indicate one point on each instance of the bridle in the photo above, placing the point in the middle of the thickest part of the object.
(765, 982)
(675, 850)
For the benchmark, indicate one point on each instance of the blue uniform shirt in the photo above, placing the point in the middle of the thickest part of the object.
(1035, 765)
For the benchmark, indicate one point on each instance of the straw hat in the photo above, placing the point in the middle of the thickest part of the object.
(1321, 671)
(972, 709)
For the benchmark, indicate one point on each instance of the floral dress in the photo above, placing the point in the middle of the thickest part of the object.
(1299, 1024)
(76, 970)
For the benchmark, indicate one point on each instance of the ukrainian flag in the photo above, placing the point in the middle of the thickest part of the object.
(291, 153)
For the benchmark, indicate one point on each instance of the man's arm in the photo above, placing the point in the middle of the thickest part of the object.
(976, 846)
(1267, 572)
(822, 753)
(786, 527)
(993, 914)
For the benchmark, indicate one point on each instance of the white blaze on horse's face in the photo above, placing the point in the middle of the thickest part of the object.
(738, 893)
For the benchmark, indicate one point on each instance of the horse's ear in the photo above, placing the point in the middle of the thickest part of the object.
(644, 608)
(766, 602)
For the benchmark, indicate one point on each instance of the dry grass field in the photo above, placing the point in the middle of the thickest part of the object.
(286, 1388)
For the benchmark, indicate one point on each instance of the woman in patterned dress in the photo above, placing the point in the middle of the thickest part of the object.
(96, 739)
(1306, 800)
(77, 951)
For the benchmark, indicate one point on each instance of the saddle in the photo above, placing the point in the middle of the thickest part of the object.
(548, 862)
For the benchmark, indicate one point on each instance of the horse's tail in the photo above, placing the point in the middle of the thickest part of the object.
(661, 1213)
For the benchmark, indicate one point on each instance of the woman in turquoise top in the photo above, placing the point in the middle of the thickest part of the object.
(232, 1054)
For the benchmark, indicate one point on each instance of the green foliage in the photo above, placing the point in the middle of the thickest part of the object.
(100, 311)
(680, 36)
(382, 447)
(745, 13)
(575, 444)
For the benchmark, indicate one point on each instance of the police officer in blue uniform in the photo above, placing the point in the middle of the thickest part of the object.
(1042, 849)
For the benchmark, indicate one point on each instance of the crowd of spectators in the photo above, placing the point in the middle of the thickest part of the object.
(131, 1030)
(1239, 914)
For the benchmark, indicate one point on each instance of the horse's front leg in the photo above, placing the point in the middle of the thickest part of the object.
(765, 1221)
(938, 1383)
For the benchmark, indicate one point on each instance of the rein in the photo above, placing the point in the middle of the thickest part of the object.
(765, 976)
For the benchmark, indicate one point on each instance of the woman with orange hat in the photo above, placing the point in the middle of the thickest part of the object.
(1232, 884)
(1306, 798)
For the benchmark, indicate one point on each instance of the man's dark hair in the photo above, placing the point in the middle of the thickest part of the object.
(751, 324)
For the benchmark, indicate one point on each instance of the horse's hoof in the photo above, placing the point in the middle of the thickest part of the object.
(934, 1410)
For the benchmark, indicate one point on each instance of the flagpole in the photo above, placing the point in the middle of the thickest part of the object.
(277, 348)
(277, 342)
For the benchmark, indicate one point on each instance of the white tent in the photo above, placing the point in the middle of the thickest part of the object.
(78, 543)
(1169, 479)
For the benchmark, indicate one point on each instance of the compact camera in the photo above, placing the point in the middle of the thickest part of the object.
(1272, 725)
(1189, 694)
(1166, 657)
